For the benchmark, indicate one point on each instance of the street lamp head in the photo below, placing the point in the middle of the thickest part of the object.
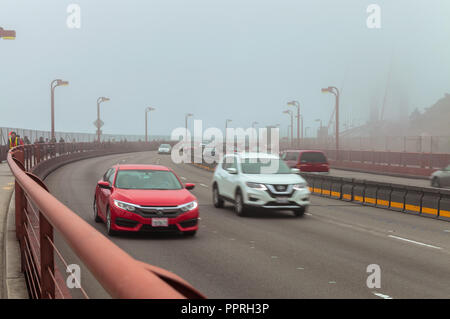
(287, 112)
(189, 114)
(148, 109)
(7, 34)
(60, 82)
(105, 99)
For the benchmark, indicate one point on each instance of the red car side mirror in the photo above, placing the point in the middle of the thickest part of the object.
(104, 184)
(189, 186)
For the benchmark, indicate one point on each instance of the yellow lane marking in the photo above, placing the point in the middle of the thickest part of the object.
(414, 208)
(382, 202)
(444, 213)
(335, 194)
(397, 205)
(431, 211)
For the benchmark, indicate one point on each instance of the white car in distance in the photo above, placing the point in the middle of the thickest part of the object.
(164, 149)
(259, 180)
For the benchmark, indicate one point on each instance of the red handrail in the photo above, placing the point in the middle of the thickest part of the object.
(121, 275)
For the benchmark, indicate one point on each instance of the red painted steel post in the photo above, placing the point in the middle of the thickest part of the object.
(19, 199)
(37, 153)
(47, 259)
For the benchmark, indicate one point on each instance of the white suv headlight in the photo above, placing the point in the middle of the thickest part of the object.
(125, 206)
(259, 186)
(300, 186)
(189, 206)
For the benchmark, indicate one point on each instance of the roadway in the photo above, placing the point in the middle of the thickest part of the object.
(275, 255)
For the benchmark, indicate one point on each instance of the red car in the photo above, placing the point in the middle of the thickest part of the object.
(149, 198)
(306, 160)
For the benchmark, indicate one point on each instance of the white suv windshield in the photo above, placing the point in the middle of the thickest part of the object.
(264, 166)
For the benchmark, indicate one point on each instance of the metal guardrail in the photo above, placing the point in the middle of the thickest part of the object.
(71, 137)
(425, 201)
(430, 202)
(38, 214)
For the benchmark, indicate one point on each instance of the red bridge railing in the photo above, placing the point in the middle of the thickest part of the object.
(39, 214)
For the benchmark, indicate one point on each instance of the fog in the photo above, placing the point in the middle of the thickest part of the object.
(241, 60)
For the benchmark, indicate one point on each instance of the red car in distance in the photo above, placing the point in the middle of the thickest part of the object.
(145, 198)
(306, 160)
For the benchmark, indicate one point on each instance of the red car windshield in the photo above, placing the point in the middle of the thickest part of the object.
(147, 179)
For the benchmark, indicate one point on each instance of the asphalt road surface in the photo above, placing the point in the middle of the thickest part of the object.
(325, 254)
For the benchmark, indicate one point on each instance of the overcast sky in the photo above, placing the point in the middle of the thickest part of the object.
(237, 59)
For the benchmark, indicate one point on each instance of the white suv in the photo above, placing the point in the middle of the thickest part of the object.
(259, 180)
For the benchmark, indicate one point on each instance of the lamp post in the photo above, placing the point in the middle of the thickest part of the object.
(186, 123)
(226, 127)
(147, 110)
(53, 85)
(297, 104)
(7, 34)
(335, 91)
(319, 120)
(289, 112)
(253, 133)
(99, 123)
(225, 142)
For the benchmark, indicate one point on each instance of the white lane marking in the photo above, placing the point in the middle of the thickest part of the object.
(183, 178)
(332, 282)
(309, 214)
(204, 185)
(414, 242)
(382, 296)
(274, 257)
(300, 268)
(447, 230)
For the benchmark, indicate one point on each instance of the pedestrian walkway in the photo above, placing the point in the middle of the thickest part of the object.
(6, 190)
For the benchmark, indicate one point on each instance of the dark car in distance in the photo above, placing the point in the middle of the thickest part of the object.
(306, 160)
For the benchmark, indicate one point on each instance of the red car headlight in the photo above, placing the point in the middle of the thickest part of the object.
(126, 206)
(189, 206)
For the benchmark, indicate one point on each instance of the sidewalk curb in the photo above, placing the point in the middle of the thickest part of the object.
(15, 285)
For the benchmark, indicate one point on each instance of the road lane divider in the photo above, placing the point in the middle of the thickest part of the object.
(414, 242)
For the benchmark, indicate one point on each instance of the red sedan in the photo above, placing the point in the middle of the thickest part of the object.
(150, 198)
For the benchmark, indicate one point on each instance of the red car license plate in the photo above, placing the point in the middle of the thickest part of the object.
(160, 222)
